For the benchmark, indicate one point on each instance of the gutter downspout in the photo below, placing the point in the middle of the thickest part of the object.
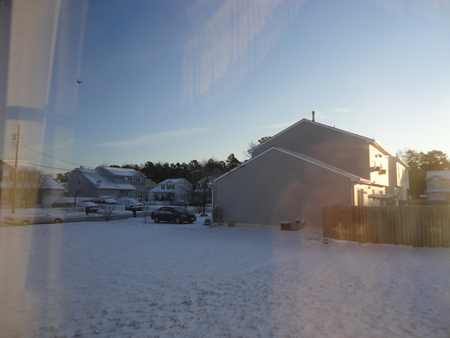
(212, 202)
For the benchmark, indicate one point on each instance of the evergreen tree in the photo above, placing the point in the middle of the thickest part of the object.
(232, 162)
(420, 163)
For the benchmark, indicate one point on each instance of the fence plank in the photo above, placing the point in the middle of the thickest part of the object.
(418, 225)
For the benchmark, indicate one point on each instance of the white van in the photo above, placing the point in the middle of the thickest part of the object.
(130, 202)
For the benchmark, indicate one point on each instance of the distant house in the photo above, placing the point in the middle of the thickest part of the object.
(171, 189)
(149, 185)
(297, 171)
(438, 185)
(106, 181)
(51, 190)
(32, 187)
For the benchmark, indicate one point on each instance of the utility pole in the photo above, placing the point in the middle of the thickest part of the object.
(17, 137)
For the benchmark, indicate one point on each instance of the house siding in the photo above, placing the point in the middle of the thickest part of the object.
(112, 183)
(277, 187)
(333, 146)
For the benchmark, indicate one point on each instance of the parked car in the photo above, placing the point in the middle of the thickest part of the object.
(179, 202)
(34, 216)
(129, 203)
(64, 202)
(104, 200)
(89, 206)
(172, 214)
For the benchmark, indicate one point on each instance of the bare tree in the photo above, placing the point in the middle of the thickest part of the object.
(109, 209)
(203, 190)
(28, 184)
(203, 193)
(248, 151)
(252, 144)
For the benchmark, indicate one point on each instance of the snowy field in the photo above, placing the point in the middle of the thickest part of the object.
(130, 279)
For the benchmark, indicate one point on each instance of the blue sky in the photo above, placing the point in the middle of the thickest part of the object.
(174, 81)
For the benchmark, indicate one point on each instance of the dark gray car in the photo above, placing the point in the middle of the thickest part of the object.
(172, 214)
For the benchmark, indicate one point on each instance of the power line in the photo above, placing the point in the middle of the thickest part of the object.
(46, 166)
(7, 149)
(52, 156)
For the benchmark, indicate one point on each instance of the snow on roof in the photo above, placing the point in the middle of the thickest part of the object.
(97, 178)
(174, 181)
(21, 165)
(50, 183)
(445, 174)
(121, 171)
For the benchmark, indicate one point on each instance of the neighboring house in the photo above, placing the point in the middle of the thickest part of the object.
(171, 189)
(149, 185)
(438, 185)
(51, 190)
(293, 174)
(32, 187)
(106, 181)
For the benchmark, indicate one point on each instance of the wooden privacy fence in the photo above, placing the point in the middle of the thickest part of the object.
(421, 226)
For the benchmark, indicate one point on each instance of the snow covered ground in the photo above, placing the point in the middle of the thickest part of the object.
(130, 279)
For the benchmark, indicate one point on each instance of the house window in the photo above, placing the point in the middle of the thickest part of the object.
(163, 186)
(125, 179)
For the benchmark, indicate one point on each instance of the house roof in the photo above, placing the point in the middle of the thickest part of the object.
(367, 139)
(21, 165)
(168, 181)
(98, 179)
(352, 177)
(51, 184)
(121, 171)
(103, 182)
(445, 174)
(174, 181)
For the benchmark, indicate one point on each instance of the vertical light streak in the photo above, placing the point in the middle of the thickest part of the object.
(233, 42)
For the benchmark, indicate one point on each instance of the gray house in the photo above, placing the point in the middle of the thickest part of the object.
(106, 181)
(297, 171)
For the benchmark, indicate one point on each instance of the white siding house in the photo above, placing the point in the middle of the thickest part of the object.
(171, 189)
(438, 185)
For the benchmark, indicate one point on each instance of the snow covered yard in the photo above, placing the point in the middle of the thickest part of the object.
(130, 279)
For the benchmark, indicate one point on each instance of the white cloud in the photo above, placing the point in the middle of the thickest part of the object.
(152, 138)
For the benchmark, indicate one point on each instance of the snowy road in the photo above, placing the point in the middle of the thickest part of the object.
(130, 279)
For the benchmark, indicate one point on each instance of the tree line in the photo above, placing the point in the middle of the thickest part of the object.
(193, 171)
(420, 163)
